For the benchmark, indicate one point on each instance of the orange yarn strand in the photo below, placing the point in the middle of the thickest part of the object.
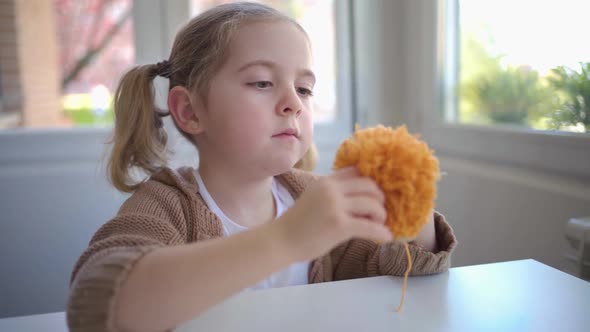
(401, 305)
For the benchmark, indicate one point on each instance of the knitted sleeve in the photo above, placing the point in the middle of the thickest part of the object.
(360, 258)
(152, 217)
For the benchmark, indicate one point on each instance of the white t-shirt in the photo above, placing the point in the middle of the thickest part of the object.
(295, 274)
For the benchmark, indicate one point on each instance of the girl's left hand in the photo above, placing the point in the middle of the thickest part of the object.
(427, 236)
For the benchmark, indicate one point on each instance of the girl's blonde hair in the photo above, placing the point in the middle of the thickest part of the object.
(199, 50)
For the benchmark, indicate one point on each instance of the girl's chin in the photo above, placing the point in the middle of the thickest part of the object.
(282, 166)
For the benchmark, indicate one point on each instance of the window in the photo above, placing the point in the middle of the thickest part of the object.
(95, 41)
(520, 64)
(88, 45)
(62, 61)
(145, 37)
(433, 55)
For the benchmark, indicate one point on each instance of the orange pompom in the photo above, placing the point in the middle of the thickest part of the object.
(404, 168)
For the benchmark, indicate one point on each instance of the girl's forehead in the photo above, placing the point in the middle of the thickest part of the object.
(276, 41)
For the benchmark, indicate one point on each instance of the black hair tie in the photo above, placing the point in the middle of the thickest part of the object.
(163, 69)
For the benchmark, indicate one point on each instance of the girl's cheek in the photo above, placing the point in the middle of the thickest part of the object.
(308, 120)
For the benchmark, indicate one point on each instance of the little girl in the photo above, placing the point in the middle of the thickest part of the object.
(241, 93)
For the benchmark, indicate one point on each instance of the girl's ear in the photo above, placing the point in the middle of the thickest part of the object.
(186, 110)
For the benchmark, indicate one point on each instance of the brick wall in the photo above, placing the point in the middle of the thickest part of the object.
(29, 64)
(9, 69)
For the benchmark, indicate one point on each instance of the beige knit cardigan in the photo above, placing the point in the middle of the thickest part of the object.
(167, 210)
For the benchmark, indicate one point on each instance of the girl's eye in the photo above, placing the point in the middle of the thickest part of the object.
(261, 84)
(305, 92)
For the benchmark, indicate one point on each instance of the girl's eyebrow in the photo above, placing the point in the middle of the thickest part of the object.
(273, 65)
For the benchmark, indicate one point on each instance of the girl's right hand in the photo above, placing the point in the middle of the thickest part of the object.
(332, 210)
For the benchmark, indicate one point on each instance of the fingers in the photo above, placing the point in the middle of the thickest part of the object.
(362, 186)
(366, 207)
(351, 182)
(363, 229)
(346, 172)
(363, 203)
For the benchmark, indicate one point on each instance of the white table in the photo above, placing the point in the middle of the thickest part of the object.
(45, 322)
(511, 296)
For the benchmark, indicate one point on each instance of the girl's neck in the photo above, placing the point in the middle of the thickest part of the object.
(246, 201)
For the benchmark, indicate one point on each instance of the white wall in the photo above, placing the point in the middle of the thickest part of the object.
(504, 213)
(50, 206)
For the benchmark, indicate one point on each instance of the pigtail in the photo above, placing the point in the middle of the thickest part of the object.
(139, 139)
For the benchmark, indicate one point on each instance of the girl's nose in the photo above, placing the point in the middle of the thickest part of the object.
(290, 104)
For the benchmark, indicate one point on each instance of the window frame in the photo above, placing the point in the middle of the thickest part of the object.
(556, 152)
